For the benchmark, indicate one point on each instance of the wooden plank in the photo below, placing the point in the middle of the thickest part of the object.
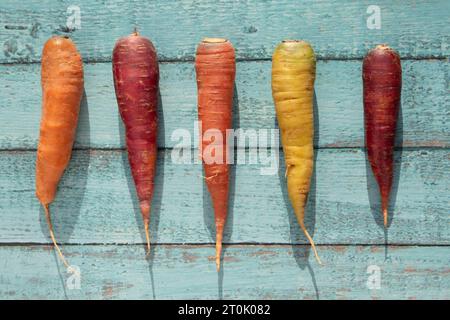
(249, 272)
(339, 121)
(337, 29)
(96, 202)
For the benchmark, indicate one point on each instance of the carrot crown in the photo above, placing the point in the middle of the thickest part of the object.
(214, 40)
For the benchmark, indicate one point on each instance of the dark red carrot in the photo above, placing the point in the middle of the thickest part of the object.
(382, 78)
(216, 68)
(136, 77)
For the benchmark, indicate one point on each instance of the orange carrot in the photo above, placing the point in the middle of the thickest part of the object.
(62, 91)
(216, 68)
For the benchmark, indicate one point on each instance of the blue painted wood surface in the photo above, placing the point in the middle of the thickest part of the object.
(95, 213)
(96, 201)
(337, 29)
(249, 272)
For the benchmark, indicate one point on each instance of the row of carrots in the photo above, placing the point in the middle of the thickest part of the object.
(136, 78)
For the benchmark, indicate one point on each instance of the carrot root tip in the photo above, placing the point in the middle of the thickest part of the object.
(147, 235)
(218, 254)
(145, 210)
(52, 235)
(385, 217)
(218, 250)
(311, 241)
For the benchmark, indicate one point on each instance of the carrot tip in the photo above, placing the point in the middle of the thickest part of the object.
(52, 235)
(218, 254)
(218, 250)
(385, 217)
(145, 210)
(147, 236)
(218, 265)
(311, 241)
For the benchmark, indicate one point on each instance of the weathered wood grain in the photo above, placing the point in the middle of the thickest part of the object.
(336, 29)
(339, 121)
(249, 272)
(96, 202)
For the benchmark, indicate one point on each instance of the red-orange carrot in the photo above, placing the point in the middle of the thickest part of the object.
(382, 77)
(62, 91)
(136, 78)
(215, 66)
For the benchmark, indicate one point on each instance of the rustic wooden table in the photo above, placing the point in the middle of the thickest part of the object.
(96, 216)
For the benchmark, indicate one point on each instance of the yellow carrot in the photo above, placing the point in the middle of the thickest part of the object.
(293, 74)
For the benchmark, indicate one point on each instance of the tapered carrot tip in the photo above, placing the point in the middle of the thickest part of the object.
(311, 241)
(145, 210)
(385, 217)
(218, 250)
(147, 235)
(52, 235)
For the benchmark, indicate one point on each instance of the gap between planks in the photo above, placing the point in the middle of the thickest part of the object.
(192, 60)
(210, 244)
(162, 149)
